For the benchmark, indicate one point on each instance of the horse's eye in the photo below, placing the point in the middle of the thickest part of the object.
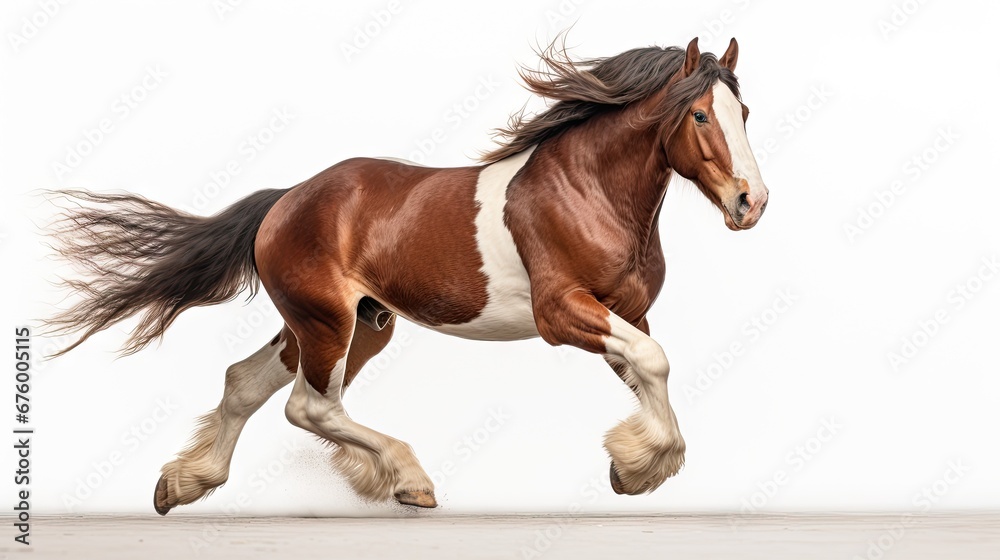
(700, 117)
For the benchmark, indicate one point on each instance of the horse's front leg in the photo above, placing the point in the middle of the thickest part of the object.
(647, 448)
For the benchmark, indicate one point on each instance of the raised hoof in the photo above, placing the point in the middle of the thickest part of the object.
(616, 483)
(160, 497)
(417, 498)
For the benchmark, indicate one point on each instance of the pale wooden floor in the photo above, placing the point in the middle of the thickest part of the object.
(847, 537)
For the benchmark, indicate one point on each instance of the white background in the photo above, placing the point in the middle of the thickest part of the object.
(866, 98)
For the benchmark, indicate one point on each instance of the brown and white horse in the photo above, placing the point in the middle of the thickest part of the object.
(554, 236)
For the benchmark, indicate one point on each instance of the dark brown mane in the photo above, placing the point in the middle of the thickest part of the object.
(582, 88)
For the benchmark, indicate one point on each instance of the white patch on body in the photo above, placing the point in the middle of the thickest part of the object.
(508, 314)
(729, 113)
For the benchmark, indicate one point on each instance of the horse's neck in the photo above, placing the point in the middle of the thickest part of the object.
(626, 164)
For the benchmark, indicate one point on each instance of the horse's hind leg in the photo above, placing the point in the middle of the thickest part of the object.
(377, 466)
(204, 464)
(366, 343)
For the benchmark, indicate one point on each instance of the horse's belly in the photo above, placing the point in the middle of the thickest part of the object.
(507, 315)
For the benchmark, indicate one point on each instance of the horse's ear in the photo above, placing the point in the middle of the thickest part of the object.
(728, 60)
(691, 58)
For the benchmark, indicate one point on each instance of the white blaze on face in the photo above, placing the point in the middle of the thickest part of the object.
(729, 114)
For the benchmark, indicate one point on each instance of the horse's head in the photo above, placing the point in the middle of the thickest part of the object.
(707, 140)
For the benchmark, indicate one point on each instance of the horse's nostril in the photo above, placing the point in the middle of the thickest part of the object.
(744, 202)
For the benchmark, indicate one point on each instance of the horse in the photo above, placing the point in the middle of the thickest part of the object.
(553, 234)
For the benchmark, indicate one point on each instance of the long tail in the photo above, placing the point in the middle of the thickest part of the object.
(141, 257)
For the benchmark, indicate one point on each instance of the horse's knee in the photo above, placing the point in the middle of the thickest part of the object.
(647, 358)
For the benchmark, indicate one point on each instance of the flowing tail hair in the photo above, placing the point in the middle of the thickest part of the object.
(143, 258)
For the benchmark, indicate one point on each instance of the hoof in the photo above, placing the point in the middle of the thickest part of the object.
(616, 483)
(160, 496)
(417, 498)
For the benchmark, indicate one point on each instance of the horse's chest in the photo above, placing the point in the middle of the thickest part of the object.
(632, 294)
(630, 283)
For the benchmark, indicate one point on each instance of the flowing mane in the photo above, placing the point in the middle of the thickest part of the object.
(582, 88)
